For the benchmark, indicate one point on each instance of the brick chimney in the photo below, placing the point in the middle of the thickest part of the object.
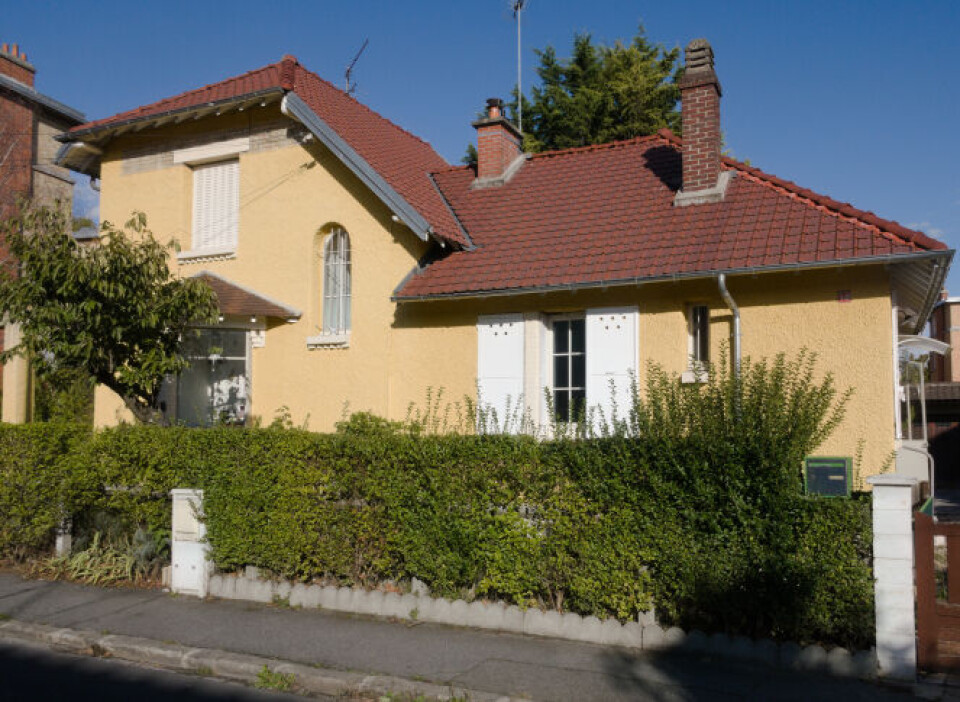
(703, 180)
(13, 63)
(498, 145)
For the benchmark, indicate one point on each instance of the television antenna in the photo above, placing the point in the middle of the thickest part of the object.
(517, 7)
(351, 88)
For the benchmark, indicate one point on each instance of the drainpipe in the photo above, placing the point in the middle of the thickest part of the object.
(725, 294)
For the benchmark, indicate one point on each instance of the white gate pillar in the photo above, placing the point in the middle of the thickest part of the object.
(188, 549)
(894, 497)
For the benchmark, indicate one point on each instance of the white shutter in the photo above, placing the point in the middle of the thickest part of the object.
(611, 356)
(216, 205)
(500, 370)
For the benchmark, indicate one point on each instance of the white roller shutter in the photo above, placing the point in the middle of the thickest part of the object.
(216, 205)
(499, 368)
(612, 355)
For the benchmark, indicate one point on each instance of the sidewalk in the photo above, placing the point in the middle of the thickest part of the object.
(373, 657)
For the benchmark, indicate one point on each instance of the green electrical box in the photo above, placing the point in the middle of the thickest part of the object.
(828, 476)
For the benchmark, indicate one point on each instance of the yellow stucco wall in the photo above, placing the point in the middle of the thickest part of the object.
(290, 192)
(783, 312)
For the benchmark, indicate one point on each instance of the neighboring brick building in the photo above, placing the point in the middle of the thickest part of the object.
(29, 121)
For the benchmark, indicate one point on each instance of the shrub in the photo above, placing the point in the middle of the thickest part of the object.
(692, 503)
(37, 491)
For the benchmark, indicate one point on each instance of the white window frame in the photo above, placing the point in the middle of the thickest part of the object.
(336, 291)
(698, 344)
(549, 371)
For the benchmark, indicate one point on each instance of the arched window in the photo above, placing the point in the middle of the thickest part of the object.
(336, 283)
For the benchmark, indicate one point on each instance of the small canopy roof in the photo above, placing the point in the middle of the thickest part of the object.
(922, 344)
(237, 300)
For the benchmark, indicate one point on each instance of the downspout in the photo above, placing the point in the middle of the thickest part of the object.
(728, 299)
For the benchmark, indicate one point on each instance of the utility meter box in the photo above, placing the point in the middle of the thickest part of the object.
(190, 570)
(827, 476)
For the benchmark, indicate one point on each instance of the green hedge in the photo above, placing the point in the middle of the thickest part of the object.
(698, 512)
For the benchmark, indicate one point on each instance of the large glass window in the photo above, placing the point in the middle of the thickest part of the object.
(569, 369)
(336, 283)
(214, 389)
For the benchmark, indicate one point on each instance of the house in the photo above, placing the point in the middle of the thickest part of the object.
(29, 121)
(356, 269)
(941, 396)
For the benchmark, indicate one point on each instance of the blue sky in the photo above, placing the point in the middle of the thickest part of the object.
(856, 100)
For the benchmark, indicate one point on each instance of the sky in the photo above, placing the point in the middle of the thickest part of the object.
(856, 100)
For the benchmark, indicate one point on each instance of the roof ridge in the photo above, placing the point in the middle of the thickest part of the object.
(450, 168)
(836, 207)
(840, 209)
(366, 107)
(620, 143)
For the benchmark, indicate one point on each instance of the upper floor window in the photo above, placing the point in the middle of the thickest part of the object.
(216, 206)
(336, 283)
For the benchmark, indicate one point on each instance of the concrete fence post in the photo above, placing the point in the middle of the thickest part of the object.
(64, 538)
(189, 550)
(894, 497)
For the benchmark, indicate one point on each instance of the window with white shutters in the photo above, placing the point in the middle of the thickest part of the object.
(612, 356)
(500, 371)
(336, 283)
(216, 206)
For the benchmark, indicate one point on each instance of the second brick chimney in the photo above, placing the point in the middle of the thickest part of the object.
(13, 63)
(703, 179)
(498, 145)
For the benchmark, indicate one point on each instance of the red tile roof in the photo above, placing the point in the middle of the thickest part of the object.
(587, 216)
(237, 300)
(605, 214)
(402, 159)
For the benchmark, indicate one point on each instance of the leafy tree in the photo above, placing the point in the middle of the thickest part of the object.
(601, 94)
(111, 309)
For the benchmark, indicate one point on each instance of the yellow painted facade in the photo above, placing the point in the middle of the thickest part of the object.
(292, 192)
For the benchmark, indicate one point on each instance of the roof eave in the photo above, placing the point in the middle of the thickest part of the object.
(159, 119)
(71, 155)
(294, 106)
(907, 258)
(63, 111)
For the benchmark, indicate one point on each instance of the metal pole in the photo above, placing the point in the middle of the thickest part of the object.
(519, 84)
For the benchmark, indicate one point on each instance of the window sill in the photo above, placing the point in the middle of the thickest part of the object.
(329, 341)
(694, 376)
(213, 254)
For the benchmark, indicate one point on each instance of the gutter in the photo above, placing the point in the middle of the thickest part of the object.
(294, 107)
(728, 299)
(945, 255)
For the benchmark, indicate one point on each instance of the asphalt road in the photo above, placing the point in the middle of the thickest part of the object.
(33, 673)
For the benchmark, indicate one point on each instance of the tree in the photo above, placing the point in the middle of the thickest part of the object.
(111, 309)
(601, 94)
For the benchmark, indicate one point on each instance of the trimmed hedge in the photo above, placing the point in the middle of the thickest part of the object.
(701, 516)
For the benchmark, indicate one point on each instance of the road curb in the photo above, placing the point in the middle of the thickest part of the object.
(234, 666)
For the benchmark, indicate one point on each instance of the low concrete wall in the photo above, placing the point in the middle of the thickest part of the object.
(499, 616)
